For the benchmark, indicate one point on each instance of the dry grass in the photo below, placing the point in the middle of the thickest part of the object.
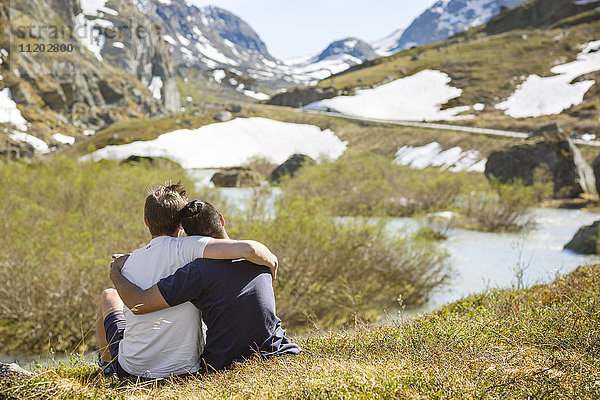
(541, 342)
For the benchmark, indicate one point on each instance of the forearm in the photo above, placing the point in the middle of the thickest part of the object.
(259, 254)
(251, 250)
(137, 300)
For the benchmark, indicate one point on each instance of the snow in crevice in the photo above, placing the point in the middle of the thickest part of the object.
(418, 97)
(232, 143)
(454, 159)
(155, 87)
(538, 96)
(89, 32)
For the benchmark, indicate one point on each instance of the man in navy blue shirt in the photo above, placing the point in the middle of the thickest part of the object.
(235, 297)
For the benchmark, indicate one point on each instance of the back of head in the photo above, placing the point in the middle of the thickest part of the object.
(161, 210)
(202, 218)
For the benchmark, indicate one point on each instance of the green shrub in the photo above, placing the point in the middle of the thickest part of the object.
(335, 271)
(368, 184)
(61, 221)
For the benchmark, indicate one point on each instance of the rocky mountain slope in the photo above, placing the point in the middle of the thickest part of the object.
(448, 17)
(103, 73)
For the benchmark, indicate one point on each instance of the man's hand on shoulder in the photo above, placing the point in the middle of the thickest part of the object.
(117, 263)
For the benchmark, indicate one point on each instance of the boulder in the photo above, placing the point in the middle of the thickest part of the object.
(571, 174)
(12, 370)
(223, 116)
(234, 108)
(585, 240)
(236, 177)
(293, 164)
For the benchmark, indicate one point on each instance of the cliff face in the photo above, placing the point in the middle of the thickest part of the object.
(118, 65)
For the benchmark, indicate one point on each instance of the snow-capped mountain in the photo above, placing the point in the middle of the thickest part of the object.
(337, 57)
(446, 18)
(384, 46)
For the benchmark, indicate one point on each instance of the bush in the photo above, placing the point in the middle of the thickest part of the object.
(368, 184)
(61, 221)
(335, 271)
(507, 210)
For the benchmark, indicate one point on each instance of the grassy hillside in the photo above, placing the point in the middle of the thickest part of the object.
(541, 342)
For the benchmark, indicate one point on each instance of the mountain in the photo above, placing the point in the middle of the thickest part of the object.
(384, 46)
(99, 78)
(446, 18)
(337, 57)
(211, 38)
(532, 65)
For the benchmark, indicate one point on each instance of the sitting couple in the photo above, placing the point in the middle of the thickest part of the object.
(151, 325)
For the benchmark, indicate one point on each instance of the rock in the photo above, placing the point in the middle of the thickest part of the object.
(302, 96)
(236, 177)
(596, 169)
(234, 108)
(293, 164)
(571, 174)
(13, 369)
(223, 116)
(585, 240)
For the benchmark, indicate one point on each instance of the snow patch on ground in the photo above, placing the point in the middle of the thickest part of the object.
(257, 96)
(539, 96)
(59, 137)
(38, 144)
(232, 143)
(415, 98)
(431, 155)
(9, 111)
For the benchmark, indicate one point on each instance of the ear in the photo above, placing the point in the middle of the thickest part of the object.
(180, 230)
(222, 219)
(146, 223)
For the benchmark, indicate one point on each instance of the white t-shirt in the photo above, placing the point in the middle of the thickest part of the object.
(170, 341)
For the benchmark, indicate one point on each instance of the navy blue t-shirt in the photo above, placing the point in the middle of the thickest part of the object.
(238, 307)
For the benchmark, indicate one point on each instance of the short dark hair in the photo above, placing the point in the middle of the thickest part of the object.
(161, 210)
(201, 218)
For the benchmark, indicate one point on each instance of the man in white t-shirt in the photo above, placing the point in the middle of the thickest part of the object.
(168, 342)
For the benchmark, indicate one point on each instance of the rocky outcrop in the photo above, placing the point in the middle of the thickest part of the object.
(291, 166)
(303, 96)
(549, 146)
(596, 170)
(85, 89)
(585, 240)
(236, 177)
(7, 370)
(537, 14)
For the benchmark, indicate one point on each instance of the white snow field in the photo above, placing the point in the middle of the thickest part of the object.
(431, 155)
(418, 97)
(9, 111)
(538, 96)
(231, 144)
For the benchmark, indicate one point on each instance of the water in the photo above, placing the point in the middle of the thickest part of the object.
(486, 260)
(483, 260)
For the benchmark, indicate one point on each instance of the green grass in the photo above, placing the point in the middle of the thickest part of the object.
(541, 342)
